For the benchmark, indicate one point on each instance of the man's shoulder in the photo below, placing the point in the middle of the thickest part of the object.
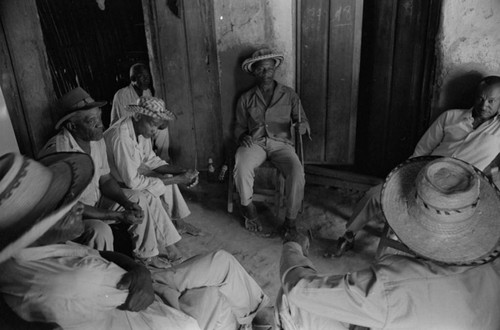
(57, 143)
(118, 130)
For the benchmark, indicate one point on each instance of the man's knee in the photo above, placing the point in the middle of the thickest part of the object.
(98, 235)
(222, 258)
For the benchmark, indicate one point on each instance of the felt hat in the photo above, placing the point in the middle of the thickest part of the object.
(260, 55)
(443, 209)
(152, 107)
(75, 100)
(34, 195)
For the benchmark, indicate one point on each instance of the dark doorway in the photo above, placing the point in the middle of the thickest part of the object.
(93, 47)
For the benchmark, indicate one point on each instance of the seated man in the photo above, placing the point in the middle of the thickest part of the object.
(44, 279)
(452, 281)
(136, 167)
(470, 135)
(265, 117)
(81, 130)
(140, 80)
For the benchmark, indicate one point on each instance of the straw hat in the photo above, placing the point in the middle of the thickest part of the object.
(260, 55)
(35, 195)
(152, 107)
(443, 209)
(73, 101)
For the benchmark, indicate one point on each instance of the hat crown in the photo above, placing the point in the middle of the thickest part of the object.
(153, 104)
(75, 99)
(448, 184)
(262, 52)
(23, 183)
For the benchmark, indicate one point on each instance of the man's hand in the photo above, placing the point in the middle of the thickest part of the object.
(189, 178)
(301, 128)
(140, 289)
(246, 141)
(132, 217)
(300, 238)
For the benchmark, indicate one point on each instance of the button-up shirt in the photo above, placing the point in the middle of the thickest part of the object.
(254, 117)
(130, 158)
(65, 142)
(399, 292)
(73, 286)
(452, 135)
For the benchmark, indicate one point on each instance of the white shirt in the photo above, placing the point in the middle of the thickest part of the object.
(452, 135)
(65, 142)
(124, 97)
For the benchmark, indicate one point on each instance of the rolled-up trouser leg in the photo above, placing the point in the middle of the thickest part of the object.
(98, 235)
(246, 161)
(366, 209)
(284, 157)
(156, 230)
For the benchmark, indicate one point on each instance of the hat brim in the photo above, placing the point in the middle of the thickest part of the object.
(87, 106)
(134, 108)
(475, 244)
(249, 62)
(72, 172)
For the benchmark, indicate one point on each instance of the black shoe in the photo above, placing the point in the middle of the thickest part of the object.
(345, 243)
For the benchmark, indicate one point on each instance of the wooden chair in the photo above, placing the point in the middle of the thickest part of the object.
(275, 196)
(389, 240)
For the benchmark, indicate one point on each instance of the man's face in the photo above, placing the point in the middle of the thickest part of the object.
(143, 79)
(68, 228)
(87, 125)
(148, 126)
(487, 101)
(264, 70)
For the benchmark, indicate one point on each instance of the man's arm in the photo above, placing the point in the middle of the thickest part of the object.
(109, 187)
(301, 122)
(241, 122)
(137, 281)
(431, 138)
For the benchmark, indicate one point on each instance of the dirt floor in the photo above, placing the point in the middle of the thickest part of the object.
(325, 212)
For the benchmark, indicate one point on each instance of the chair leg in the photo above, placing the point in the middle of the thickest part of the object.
(230, 191)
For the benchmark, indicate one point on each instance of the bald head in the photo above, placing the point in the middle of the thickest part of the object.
(140, 76)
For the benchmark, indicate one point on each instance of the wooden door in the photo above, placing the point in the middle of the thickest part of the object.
(329, 56)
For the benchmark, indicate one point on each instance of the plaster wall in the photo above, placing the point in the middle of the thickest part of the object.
(242, 27)
(468, 48)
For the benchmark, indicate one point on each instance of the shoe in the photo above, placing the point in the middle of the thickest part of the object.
(156, 262)
(345, 243)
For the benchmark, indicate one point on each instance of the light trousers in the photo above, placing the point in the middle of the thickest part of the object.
(97, 234)
(283, 156)
(367, 208)
(214, 289)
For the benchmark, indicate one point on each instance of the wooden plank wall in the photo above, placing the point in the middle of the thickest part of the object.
(185, 71)
(28, 85)
(329, 68)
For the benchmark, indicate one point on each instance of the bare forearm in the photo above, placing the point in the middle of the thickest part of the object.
(91, 212)
(121, 260)
(170, 169)
(112, 190)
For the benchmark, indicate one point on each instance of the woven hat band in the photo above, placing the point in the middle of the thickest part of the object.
(82, 103)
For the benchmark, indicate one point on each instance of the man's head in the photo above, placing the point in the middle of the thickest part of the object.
(149, 114)
(443, 209)
(81, 115)
(487, 102)
(37, 195)
(140, 76)
(264, 60)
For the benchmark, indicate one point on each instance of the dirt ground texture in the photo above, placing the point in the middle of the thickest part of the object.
(325, 212)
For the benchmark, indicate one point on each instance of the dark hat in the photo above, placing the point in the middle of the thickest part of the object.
(75, 100)
(35, 195)
(443, 209)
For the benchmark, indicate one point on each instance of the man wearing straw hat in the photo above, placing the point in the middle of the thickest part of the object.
(446, 212)
(471, 135)
(136, 167)
(44, 279)
(81, 130)
(265, 117)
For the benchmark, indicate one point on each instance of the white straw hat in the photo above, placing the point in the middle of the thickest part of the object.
(260, 55)
(152, 107)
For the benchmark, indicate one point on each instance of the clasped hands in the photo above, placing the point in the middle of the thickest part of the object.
(299, 238)
(133, 213)
(190, 178)
(247, 140)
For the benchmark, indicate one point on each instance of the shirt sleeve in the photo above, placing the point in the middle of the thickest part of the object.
(241, 125)
(431, 138)
(117, 108)
(355, 298)
(128, 161)
(151, 160)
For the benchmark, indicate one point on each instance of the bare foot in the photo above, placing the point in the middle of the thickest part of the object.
(173, 254)
(253, 225)
(184, 227)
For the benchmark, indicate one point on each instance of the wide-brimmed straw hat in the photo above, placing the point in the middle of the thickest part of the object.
(152, 107)
(443, 209)
(35, 195)
(260, 55)
(73, 101)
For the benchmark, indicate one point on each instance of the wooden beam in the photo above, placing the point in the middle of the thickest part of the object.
(340, 179)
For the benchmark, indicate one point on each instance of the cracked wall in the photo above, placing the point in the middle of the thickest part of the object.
(467, 48)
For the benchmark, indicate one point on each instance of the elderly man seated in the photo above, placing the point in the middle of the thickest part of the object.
(46, 280)
(266, 116)
(136, 167)
(446, 212)
(471, 135)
